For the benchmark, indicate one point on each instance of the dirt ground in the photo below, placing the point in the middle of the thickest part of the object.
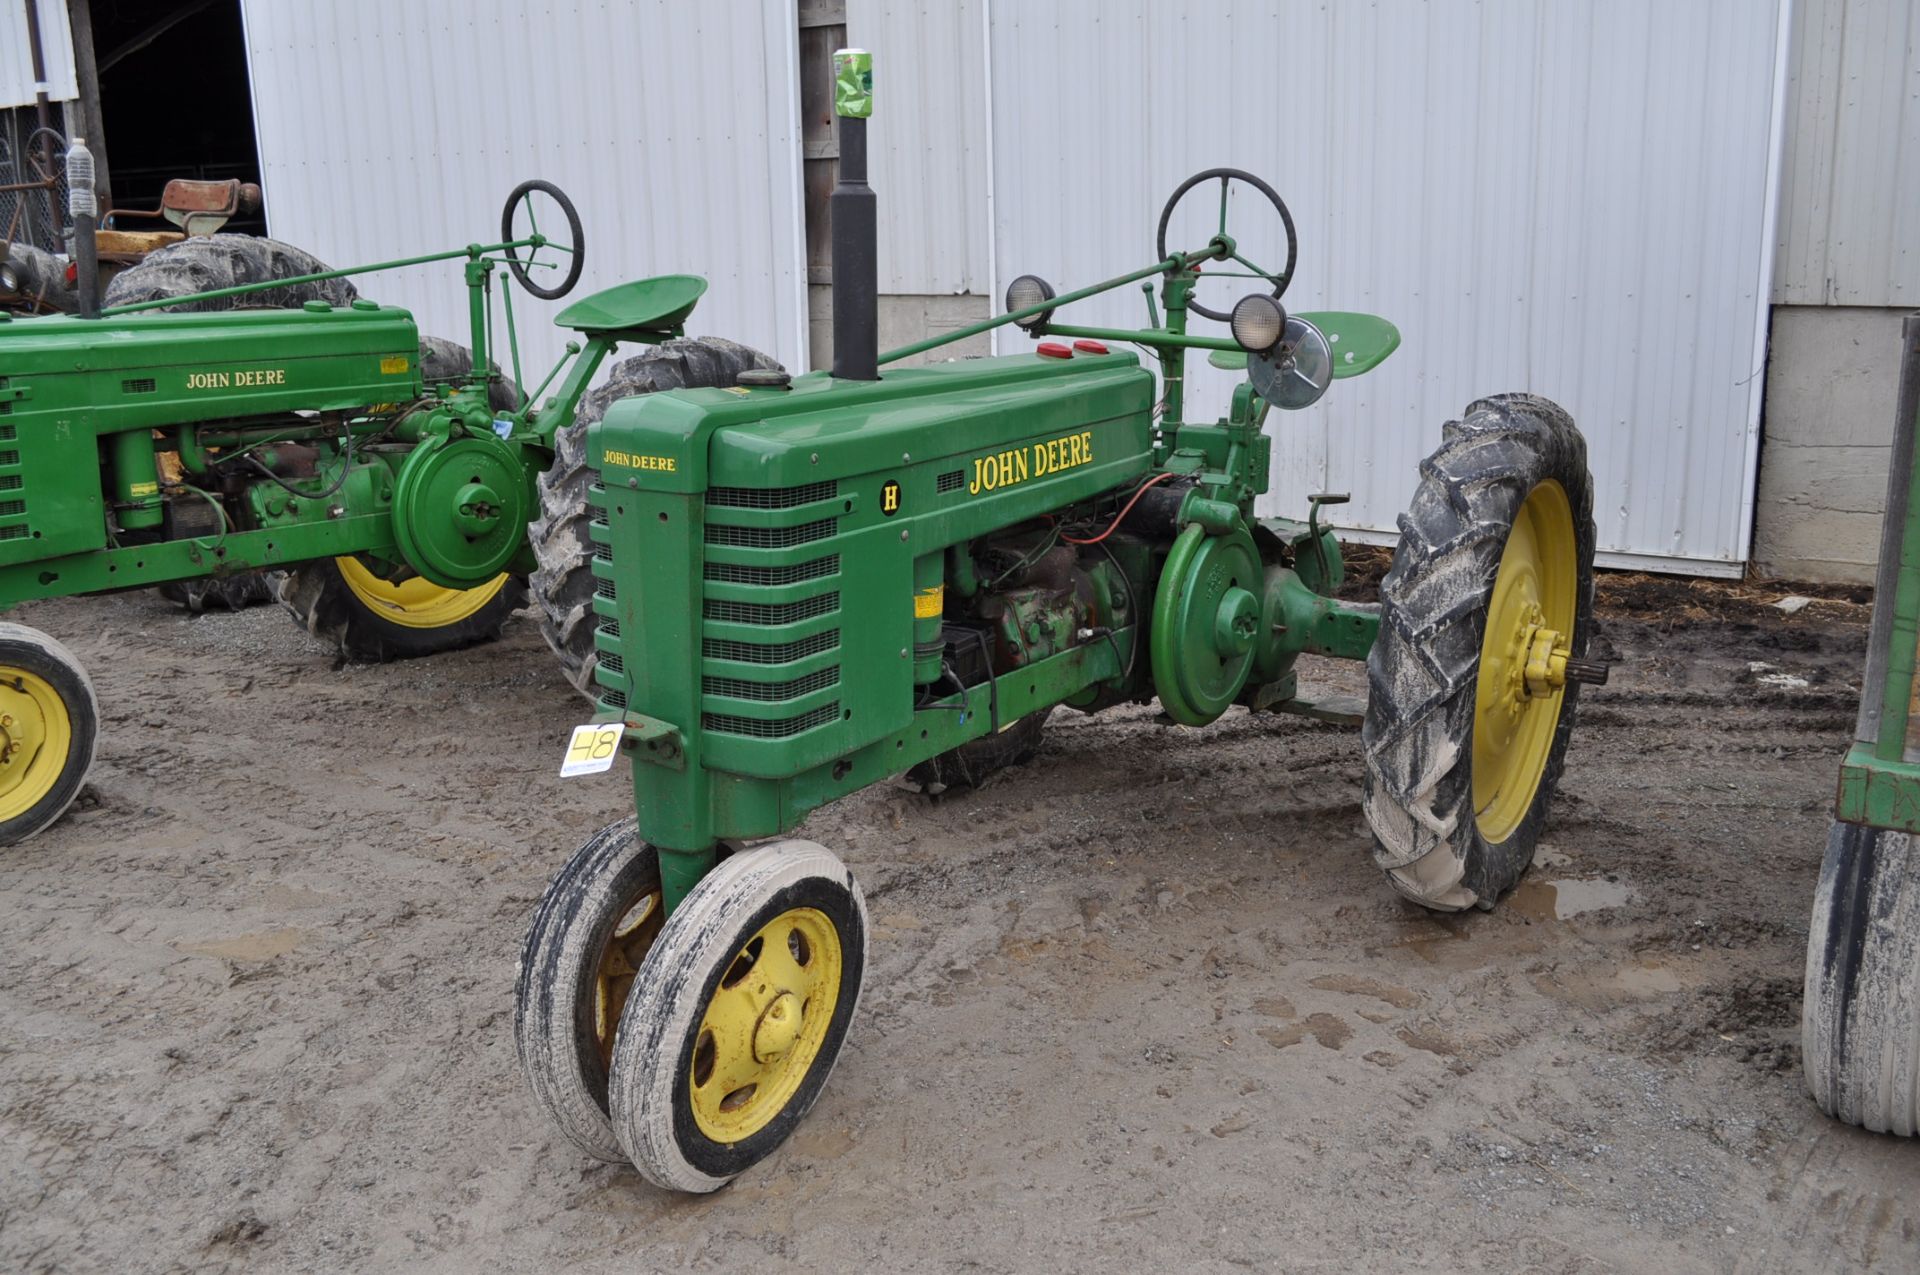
(1142, 1004)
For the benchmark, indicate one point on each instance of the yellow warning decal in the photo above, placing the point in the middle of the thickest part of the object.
(393, 365)
(142, 489)
(929, 603)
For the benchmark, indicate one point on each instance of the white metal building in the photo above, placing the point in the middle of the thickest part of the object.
(1611, 202)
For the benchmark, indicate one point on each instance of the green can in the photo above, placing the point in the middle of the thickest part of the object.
(853, 83)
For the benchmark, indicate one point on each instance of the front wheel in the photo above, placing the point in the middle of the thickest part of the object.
(49, 724)
(1860, 1021)
(1485, 617)
(738, 1014)
(364, 616)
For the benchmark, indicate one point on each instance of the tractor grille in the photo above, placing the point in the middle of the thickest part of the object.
(952, 480)
(759, 582)
(783, 653)
(734, 573)
(771, 497)
(14, 524)
(764, 728)
(772, 612)
(771, 692)
(769, 537)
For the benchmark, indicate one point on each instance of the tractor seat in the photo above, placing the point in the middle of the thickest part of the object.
(200, 208)
(639, 310)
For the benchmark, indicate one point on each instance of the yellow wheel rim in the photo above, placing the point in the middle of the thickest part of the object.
(416, 602)
(765, 1025)
(36, 735)
(1523, 661)
(613, 978)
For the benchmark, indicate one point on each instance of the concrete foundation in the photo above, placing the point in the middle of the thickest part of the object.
(1832, 373)
(903, 320)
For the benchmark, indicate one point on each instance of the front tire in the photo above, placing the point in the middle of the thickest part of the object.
(49, 727)
(738, 1015)
(1464, 747)
(1860, 1021)
(589, 938)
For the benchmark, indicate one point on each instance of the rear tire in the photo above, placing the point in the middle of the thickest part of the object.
(978, 760)
(1860, 1021)
(563, 583)
(1433, 834)
(341, 602)
(203, 264)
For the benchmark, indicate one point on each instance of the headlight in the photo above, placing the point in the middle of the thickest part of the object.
(1258, 322)
(1027, 291)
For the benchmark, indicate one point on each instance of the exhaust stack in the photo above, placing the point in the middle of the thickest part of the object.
(83, 210)
(856, 270)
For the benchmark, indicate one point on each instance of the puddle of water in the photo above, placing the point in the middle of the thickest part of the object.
(1560, 900)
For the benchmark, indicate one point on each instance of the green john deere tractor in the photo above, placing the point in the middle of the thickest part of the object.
(811, 583)
(281, 423)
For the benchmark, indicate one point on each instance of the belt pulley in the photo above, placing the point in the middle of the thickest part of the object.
(460, 509)
(1206, 624)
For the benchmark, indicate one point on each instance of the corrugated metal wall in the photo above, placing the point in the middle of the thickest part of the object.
(1570, 199)
(1850, 204)
(927, 145)
(16, 54)
(392, 129)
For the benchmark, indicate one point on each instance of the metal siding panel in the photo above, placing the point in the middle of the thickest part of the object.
(1566, 199)
(1850, 213)
(433, 110)
(16, 54)
(927, 141)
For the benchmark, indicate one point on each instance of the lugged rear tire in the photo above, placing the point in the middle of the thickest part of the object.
(563, 583)
(1860, 1021)
(325, 603)
(1424, 669)
(206, 263)
(978, 760)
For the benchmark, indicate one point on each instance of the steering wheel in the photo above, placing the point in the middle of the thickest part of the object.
(1226, 175)
(575, 247)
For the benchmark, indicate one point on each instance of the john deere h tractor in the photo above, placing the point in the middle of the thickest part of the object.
(809, 584)
(393, 478)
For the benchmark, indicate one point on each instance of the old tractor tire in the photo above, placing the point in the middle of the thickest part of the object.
(49, 727)
(1860, 1021)
(974, 762)
(563, 583)
(1495, 552)
(204, 264)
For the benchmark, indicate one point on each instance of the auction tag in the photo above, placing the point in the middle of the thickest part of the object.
(592, 749)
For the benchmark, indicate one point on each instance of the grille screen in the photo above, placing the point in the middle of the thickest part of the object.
(726, 724)
(768, 692)
(952, 480)
(144, 385)
(772, 612)
(13, 533)
(11, 507)
(612, 662)
(769, 537)
(772, 497)
(733, 573)
(783, 653)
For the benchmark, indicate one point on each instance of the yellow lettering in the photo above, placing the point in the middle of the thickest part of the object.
(1020, 465)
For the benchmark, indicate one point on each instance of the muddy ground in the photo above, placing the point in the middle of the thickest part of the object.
(1143, 1004)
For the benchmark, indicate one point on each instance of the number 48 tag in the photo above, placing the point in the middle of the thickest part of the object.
(591, 749)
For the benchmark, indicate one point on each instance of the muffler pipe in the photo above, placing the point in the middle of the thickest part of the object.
(851, 211)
